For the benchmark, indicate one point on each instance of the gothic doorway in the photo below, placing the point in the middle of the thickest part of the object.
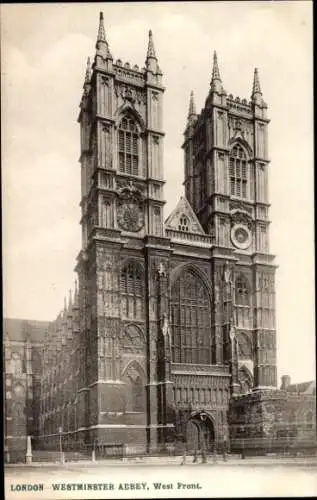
(200, 433)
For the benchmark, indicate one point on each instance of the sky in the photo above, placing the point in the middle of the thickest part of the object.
(44, 48)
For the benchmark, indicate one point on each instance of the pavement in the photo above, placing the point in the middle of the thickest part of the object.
(177, 460)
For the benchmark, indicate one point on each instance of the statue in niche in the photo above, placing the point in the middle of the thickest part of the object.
(166, 333)
(245, 382)
(16, 364)
(227, 279)
(161, 269)
(227, 273)
(165, 328)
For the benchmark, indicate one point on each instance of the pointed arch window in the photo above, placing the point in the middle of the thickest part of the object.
(242, 302)
(132, 290)
(242, 293)
(183, 223)
(238, 173)
(137, 395)
(128, 146)
(192, 340)
(136, 398)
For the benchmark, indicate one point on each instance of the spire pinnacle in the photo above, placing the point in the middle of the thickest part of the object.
(256, 89)
(102, 44)
(215, 68)
(76, 294)
(101, 30)
(88, 71)
(150, 48)
(192, 105)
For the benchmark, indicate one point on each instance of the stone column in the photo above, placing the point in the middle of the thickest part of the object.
(164, 336)
(28, 456)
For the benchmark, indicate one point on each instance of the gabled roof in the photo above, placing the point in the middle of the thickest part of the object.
(21, 329)
(183, 208)
(303, 387)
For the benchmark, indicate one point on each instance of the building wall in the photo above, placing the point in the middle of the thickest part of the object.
(22, 381)
(273, 421)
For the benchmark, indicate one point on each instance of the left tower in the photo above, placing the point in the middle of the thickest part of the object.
(122, 210)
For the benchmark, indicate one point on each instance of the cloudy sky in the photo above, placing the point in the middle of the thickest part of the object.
(44, 51)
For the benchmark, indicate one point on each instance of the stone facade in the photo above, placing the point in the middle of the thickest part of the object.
(279, 420)
(180, 314)
(22, 368)
(171, 321)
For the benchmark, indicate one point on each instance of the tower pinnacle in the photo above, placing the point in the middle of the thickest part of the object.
(101, 31)
(215, 69)
(150, 48)
(256, 89)
(76, 294)
(88, 71)
(192, 107)
(216, 83)
(102, 44)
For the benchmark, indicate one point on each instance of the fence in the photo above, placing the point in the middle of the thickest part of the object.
(266, 445)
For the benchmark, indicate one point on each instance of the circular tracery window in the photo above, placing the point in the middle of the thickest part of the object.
(240, 236)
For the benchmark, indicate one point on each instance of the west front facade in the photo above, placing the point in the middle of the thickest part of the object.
(172, 323)
(174, 317)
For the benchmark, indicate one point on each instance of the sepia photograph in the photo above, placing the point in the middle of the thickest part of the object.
(158, 250)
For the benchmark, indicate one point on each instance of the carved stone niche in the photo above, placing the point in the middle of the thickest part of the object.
(238, 205)
(130, 213)
(107, 262)
(133, 339)
(245, 347)
(241, 216)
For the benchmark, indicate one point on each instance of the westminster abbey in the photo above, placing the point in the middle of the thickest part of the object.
(170, 333)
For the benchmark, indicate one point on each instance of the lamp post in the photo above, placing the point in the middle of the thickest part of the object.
(203, 418)
(242, 430)
(60, 430)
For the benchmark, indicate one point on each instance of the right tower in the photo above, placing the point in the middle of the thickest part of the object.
(226, 183)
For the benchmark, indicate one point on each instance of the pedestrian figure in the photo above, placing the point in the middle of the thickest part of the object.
(224, 451)
(184, 455)
(214, 454)
(203, 454)
(195, 455)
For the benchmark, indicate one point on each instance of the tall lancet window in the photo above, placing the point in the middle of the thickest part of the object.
(128, 146)
(242, 302)
(132, 290)
(238, 172)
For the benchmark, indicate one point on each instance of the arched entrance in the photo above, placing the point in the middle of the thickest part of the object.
(200, 433)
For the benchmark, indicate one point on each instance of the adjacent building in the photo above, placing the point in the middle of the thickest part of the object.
(22, 369)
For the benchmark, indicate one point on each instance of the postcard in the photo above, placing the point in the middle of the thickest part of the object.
(158, 250)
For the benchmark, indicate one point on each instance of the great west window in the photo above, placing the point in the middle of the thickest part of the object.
(191, 321)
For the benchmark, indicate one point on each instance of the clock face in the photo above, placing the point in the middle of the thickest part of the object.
(130, 216)
(241, 236)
